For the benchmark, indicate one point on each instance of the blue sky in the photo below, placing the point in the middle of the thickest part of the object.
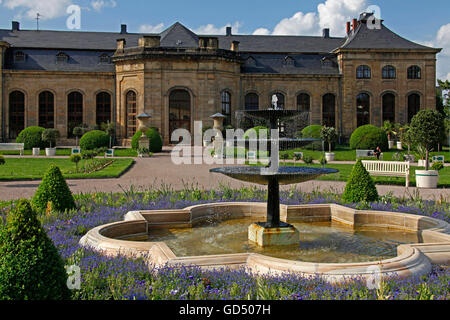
(427, 22)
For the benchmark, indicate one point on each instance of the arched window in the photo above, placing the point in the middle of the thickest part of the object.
(414, 72)
(19, 56)
(389, 107)
(362, 109)
(16, 113)
(179, 110)
(46, 110)
(103, 108)
(413, 105)
(329, 110)
(251, 101)
(363, 72)
(389, 72)
(303, 102)
(226, 107)
(131, 113)
(74, 112)
(280, 102)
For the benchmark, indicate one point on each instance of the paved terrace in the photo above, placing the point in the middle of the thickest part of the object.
(153, 172)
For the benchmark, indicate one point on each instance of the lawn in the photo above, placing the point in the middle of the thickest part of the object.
(31, 169)
(119, 152)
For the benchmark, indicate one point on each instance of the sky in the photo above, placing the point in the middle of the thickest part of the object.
(425, 22)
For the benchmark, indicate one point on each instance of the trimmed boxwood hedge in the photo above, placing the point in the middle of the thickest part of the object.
(369, 137)
(31, 137)
(94, 139)
(153, 135)
(360, 186)
(313, 132)
(30, 265)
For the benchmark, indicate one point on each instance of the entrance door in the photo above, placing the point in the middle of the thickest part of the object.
(179, 111)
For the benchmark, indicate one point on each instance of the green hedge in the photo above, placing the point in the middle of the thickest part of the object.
(30, 265)
(31, 137)
(360, 186)
(369, 137)
(94, 140)
(312, 132)
(154, 137)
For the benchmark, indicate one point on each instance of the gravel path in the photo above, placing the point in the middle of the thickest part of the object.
(159, 170)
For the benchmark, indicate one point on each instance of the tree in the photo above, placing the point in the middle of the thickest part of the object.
(50, 136)
(389, 128)
(78, 132)
(30, 265)
(427, 129)
(329, 135)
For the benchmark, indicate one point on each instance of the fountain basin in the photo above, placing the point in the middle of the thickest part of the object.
(411, 260)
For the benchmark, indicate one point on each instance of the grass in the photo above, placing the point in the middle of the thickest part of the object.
(34, 169)
(61, 152)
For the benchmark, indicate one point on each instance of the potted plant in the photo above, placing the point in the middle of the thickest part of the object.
(50, 136)
(329, 135)
(427, 130)
(400, 130)
(421, 154)
(389, 128)
(77, 132)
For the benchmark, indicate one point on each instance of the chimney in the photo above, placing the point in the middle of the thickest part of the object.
(15, 26)
(123, 28)
(355, 24)
(121, 44)
(326, 33)
(348, 27)
(229, 31)
(235, 46)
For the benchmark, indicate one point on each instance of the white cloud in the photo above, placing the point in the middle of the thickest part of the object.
(98, 5)
(146, 28)
(212, 29)
(331, 14)
(48, 9)
(261, 32)
(443, 58)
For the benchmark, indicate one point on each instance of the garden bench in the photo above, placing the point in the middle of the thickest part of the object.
(12, 147)
(388, 169)
(367, 154)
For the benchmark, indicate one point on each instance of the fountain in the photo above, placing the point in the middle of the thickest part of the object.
(274, 232)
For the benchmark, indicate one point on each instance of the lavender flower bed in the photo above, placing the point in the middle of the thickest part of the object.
(122, 278)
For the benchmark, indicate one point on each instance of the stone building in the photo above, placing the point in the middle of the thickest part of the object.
(64, 79)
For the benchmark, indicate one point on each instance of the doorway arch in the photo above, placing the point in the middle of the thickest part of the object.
(179, 110)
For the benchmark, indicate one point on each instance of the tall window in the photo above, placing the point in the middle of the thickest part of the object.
(251, 101)
(414, 72)
(74, 112)
(389, 72)
(389, 107)
(103, 108)
(329, 110)
(303, 102)
(413, 106)
(179, 110)
(362, 109)
(363, 72)
(280, 102)
(131, 113)
(226, 107)
(16, 113)
(46, 110)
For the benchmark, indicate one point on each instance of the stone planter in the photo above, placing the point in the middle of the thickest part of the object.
(329, 156)
(36, 152)
(50, 152)
(427, 179)
(391, 144)
(399, 145)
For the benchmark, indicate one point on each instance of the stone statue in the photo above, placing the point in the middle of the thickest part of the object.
(275, 102)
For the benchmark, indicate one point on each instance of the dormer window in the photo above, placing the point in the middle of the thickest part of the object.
(62, 58)
(104, 58)
(289, 61)
(250, 61)
(363, 72)
(19, 56)
(327, 62)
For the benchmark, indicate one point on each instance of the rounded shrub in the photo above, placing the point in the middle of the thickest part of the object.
(259, 131)
(360, 186)
(31, 137)
(2, 160)
(369, 137)
(30, 265)
(312, 132)
(154, 137)
(94, 139)
(53, 189)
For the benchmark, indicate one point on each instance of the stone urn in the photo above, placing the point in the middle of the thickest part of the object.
(391, 144)
(427, 179)
(329, 156)
(36, 152)
(50, 152)
(399, 145)
(218, 139)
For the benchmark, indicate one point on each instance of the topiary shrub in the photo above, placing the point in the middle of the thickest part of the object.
(360, 186)
(50, 136)
(2, 160)
(54, 189)
(154, 137)
(30, 266)
(31, 137)
(94, 140)
(312, 132)
(369, 137)
(259, 131)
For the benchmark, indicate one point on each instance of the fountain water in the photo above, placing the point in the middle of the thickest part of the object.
(274, 232)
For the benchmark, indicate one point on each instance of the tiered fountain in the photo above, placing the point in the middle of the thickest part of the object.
(273, 232)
